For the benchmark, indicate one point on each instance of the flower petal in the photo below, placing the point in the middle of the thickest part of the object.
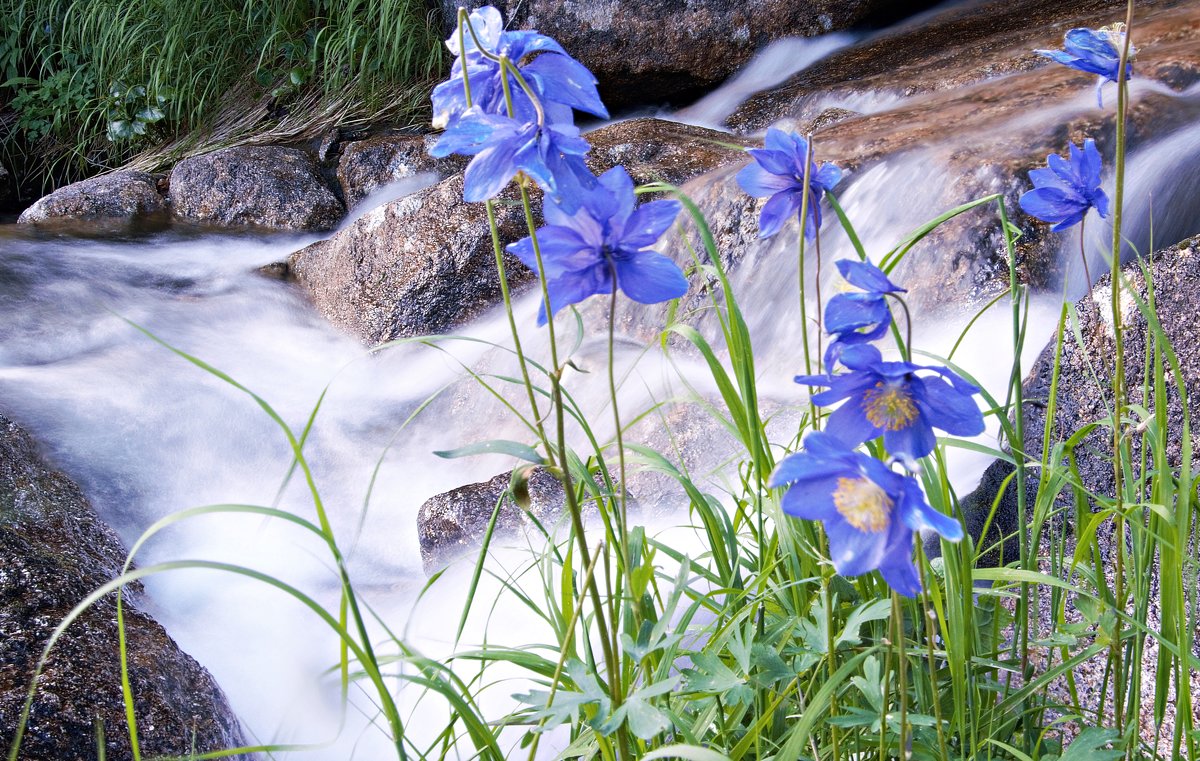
(646, 225)
(948, 408)
(866, 276)
(854, 552)
(650, 277)
(1052, 204)
(778, 209)
(811, 499)
(758, 182)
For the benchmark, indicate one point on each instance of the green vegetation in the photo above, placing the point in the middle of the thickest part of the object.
(92, 83)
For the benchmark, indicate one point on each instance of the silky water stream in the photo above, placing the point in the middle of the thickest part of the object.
(147, 434)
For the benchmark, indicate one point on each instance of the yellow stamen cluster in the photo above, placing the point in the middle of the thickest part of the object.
(889, 407)
(863, 503)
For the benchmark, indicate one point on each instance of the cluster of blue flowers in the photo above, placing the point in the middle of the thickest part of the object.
(1064, 192)
(510, 103)
(870, 512)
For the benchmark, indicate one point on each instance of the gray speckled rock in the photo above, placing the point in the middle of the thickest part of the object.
(119, 195)
(368, 165)
(424, 263)
(262, 186)
(452, 524)
(654, 50)
(54, 551)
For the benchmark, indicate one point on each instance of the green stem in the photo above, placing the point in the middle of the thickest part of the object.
(1118, 379)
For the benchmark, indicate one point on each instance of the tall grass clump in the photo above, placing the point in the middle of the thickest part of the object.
(91, 83)
(795, 614)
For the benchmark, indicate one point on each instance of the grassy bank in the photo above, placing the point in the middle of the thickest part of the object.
(90, 84)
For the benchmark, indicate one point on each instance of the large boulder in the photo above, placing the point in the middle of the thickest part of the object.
(425, 263)
(120, 195)
(54, 551)
(660, 50)
(261, 186)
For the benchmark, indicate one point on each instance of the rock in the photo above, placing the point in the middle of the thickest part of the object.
(984, 79)
(367, 165)
(262, 186)
(420, 264)
(54, 551)
(424, 263)
(658, 50)
(116, 196)
(452, 524)
(6, 187)
(1001, 543)
(1080, 400)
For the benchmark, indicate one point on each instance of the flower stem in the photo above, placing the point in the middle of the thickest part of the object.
(1118, 378)
(1083, 256)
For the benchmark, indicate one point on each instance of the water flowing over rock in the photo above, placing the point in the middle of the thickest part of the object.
(453, 524)
(120, 195)
(368, 165)
(54, 551)
(651, 52)
(263, 186)
(952, 109)
(424, 263)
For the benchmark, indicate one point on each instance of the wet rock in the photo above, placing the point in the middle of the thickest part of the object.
(54, 551)
(658, 50)
(367, 165)
(453, 524)
(992, 517)
(424, 263)
(262, 186)
(957, 108)
(117, 196)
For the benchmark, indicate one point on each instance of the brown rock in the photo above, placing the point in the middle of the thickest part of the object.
(367, 165)
(262, 186)
(425, 263)
(657, 50)
(117, 196)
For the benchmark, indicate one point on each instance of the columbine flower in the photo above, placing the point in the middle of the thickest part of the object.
(1096, 51)
(551, 154)
(560, 82)
(869, 512)
(582, 251)
(1065, 191)
(889, 399)
(858, 316)
(778, 172)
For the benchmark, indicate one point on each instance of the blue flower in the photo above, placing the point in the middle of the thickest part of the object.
(606, 237)
(889, 399)
(778, 172)
(869, 512)
(1096, 51)
(860, 316)
(552, 155)
(560, 82)
(1065, 191)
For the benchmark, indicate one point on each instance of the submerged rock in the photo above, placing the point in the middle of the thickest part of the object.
(117, 196)
(54, 551)
(452, 524)
(657, 50)
(262, 186)
(424, 263)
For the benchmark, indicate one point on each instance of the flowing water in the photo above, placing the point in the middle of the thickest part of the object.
(147, 433)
